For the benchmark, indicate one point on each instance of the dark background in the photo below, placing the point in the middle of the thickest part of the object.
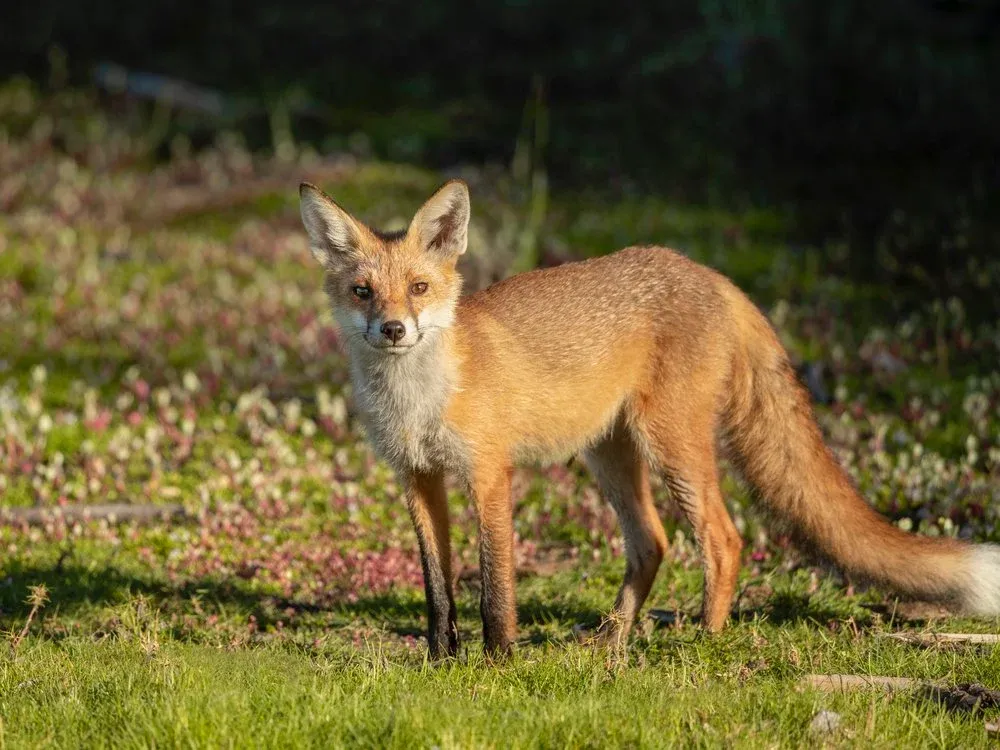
(877, 123)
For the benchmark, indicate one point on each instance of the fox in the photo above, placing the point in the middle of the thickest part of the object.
(641, 361)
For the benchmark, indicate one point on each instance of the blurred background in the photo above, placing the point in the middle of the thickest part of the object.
(870, 124)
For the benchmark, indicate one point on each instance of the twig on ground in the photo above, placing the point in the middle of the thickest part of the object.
(937, 639)
(842, 683)
(964, 697)
(112, 512)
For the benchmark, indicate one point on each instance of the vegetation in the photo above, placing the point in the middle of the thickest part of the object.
(164, 340)
(874, 122)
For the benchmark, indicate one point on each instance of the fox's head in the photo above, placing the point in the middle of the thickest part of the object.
(390, 292)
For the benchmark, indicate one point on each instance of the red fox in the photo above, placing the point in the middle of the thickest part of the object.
(641, 361)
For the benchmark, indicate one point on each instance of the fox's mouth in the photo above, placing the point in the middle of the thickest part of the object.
(384, 347)
(395, 349)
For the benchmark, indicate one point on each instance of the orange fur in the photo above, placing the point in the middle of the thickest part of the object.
(641, 360)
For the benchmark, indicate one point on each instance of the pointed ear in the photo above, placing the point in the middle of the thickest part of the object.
(333, 233)
(442, 223)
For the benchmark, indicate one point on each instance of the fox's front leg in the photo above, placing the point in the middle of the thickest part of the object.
(427, 501)
(491, 492)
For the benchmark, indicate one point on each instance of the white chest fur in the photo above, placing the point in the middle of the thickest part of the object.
(402, 400)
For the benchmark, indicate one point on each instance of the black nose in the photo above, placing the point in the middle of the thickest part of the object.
(393, 330)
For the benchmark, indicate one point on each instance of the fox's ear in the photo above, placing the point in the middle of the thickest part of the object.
(333, 233)
(442, 223)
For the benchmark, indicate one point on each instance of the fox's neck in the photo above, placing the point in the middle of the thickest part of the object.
(403, 399)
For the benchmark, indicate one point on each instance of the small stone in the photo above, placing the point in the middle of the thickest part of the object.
(825, 722)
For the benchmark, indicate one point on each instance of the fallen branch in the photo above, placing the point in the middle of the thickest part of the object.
(937, 639)
(111, 512)
(964, 697)
(843, 683)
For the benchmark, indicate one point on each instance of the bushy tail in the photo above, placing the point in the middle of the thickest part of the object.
(775, 442)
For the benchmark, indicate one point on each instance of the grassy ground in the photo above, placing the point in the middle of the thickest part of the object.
(163, 340)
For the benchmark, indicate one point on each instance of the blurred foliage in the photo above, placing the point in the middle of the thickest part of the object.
(872, 122)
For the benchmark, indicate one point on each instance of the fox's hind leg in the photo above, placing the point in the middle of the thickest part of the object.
(682, 443)
(720, 542)
(623, 475)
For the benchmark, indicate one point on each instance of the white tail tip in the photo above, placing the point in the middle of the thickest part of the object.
(982, 592)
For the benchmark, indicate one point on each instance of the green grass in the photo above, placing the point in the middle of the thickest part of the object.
(123, 657)
(190, 360)
(78, 693)
(116, 667)
(137, 684)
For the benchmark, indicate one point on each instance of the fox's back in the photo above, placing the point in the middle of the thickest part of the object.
(571, 310)
(559, 351)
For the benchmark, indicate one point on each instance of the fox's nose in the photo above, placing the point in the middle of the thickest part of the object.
(393, 330)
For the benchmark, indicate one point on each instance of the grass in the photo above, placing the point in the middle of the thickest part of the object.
(690, 694)
(163, 340)
(128, 673)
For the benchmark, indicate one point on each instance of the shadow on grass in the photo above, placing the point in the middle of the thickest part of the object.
(77, 591)
(785, 608)
(71, 586)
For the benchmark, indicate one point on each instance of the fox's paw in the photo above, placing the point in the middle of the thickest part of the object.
(610, 636)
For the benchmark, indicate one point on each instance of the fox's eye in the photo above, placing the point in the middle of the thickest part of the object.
(362, 292)
(418, 288)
